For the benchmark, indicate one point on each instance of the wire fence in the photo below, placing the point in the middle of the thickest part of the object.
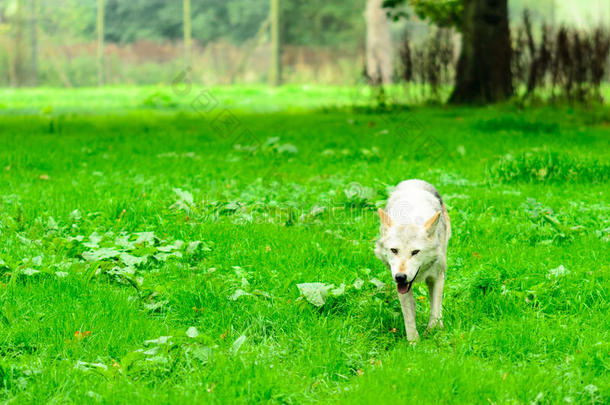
(54, 43)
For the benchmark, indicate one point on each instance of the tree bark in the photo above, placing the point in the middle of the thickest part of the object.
(378, 43)
(483, 71)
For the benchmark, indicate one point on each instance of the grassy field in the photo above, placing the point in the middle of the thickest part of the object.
(150, 252)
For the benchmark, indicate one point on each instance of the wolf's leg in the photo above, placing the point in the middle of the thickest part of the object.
(435, 292)
(407, 303)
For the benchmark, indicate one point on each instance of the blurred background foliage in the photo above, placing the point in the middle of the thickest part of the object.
(323, 42)
(315, 22)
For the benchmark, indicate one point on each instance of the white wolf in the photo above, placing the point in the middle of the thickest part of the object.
(415, 229)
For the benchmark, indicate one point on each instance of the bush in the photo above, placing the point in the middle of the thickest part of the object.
(545, 166)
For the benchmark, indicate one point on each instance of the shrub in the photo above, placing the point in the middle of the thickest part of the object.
(546, 166)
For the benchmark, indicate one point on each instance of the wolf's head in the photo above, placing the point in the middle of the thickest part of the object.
(405, 249)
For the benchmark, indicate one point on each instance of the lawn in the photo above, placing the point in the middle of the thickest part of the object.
(150, 251)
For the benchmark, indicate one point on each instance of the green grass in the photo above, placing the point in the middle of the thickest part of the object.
(272, 213)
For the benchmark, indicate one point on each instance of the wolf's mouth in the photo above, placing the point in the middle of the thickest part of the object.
(404, 288)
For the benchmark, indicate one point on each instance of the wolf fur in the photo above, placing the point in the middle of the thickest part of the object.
(414, 233)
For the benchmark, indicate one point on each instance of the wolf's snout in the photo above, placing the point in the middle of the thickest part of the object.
(400, 278)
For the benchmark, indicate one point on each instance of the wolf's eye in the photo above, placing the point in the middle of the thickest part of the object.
(413, 253)
(394, 250)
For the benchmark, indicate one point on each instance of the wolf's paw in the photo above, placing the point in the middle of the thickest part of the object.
(413, 339)
(435, 325)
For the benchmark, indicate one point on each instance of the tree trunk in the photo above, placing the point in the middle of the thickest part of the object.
(378, 43)
(483, 71)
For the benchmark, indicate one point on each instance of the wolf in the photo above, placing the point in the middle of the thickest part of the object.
(414, 233)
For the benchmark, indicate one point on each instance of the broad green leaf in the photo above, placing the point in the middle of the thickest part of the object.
(52, 224)
(197, 246)
(202, 353)
(287, 148)
(337, 292)
(155, 306)
(122, 270)
(192, 332)
(184, 195)
(238, 344)
(24, 240)
(192, 247)
(378, 283)
(132, 261)
(162, 257)
(150, 352)
(177, 245)
(76, 215)
(238, 293)
(558, 271)
(29, 272)
(261, 293)
(124, 242)
(315, 293)
(85, 366)
(272, 141)
(158, 359)
(94, 240)
(100, 254)
(161, 340)
(145, 237)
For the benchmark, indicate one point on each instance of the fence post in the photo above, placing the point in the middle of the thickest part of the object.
(34, 42)
(100, 42)
(187, 34)
(275, 74)
(19, 58)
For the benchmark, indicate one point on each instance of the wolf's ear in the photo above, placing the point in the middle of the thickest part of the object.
(431, 223)
(386, 221)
